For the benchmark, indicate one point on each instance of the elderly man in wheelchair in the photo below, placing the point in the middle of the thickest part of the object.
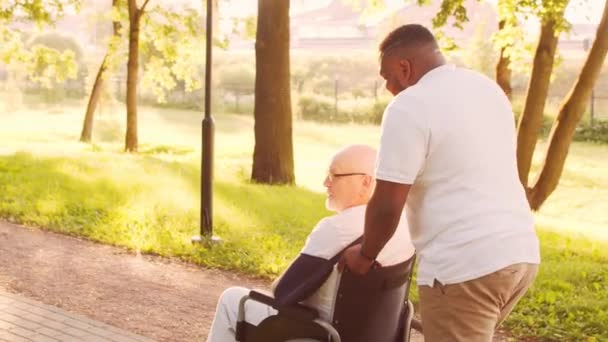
(314, 301)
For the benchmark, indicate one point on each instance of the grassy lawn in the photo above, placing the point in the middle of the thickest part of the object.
(149, 202)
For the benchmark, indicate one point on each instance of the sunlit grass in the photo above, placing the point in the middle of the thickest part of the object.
(578, 205)
(569, 298)
(149, 202)
(151, 205)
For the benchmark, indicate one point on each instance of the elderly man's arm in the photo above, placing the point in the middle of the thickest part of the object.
(276, 282)
(303, 277)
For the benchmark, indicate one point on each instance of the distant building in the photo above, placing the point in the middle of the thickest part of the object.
(340, 26)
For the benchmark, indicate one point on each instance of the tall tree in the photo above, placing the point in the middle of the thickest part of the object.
(531, 119)
(87, 126)
(135, 15)
(570, 114)
(167, 49)
(273, 153)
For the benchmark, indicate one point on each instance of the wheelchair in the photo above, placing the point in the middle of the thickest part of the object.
(369, 308)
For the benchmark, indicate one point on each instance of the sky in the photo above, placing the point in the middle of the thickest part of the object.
(579, 11)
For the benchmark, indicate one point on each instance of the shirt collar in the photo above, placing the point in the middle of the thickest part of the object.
(436, 72)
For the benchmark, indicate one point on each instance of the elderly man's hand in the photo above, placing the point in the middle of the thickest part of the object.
(355, 261)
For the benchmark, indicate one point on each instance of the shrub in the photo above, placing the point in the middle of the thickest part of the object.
(240, 78)
(598, 132)
(323, 109)
(109, 128)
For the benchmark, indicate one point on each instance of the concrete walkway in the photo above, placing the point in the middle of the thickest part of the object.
(22, 319)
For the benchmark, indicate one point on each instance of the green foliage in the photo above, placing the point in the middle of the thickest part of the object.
(39, 11)
(41, 63)
(170, 46)
(47, 66)
(598, 132)
(245, 27)
(318, 73)
(480, 54)
(320, 108)
(234, 78)
(55, 59)
(511, 36)
(448, 9)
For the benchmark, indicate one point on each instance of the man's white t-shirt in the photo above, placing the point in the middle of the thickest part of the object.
(452, 136)
(332, 234)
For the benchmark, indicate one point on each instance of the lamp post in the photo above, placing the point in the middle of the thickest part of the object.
(206, 223)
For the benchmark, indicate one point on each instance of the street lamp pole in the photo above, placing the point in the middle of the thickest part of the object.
(206, 213)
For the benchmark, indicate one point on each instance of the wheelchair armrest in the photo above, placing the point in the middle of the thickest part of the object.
(296, 311)
(261, 297)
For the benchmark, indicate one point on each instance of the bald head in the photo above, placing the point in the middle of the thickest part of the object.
(350, 180)
(359, 158)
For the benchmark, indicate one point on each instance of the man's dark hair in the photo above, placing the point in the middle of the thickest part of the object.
(410, 35)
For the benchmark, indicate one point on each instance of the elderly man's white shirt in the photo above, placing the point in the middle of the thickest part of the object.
(452, 136)
(334, 233)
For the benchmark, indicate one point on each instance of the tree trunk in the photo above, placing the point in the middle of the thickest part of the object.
(570, 114)
(273, 152)
(531, 119)
(87, 126)
(131, 143)
(503, 68)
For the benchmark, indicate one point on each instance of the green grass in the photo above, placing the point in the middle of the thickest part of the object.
(569, 299)
(150, 203)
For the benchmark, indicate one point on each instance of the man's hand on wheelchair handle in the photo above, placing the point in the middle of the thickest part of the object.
(355, 261)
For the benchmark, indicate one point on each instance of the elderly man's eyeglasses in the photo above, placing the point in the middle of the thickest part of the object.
(332, 176)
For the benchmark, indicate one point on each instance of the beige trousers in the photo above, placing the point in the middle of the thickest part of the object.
(472, 310)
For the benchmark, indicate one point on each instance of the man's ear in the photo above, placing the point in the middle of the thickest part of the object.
(406, 68)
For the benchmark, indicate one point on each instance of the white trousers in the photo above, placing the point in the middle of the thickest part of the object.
(223, 327)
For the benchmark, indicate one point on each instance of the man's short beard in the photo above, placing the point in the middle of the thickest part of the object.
(329, 204)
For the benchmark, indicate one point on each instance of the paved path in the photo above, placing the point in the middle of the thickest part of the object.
(160, 298)
(22, 319)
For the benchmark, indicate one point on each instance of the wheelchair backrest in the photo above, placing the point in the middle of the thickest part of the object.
(371, 307)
